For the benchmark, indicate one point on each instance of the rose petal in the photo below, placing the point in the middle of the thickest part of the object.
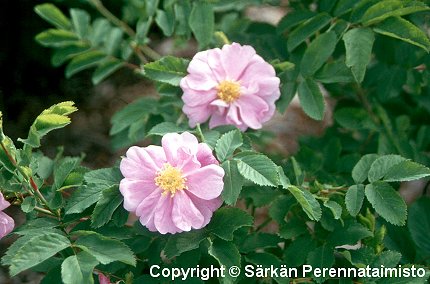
(3, 202)
(163, 216)
(141, 163)
(206, 207)
(135, 191)
(6, 224)
(207, 182)
(184, 214)
(235, 58)
(205, 156)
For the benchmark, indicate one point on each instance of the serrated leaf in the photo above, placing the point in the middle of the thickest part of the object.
(307, 29)
(104, 249)
(182, 242)
(53, 15)
(37, 249)
(382, 165)
(307, 201)
(311, 99)
(226, 253)
(106, 206)
(201, 22)
(56, 38)
(166, 127)
(83, 197)
(81, 22)
(259, 169)
(354, 199)
(105, 69)
(317, 53)
(84, 61)
(348, 234)
(334, 72)
(387, 202)
(28, 204)
(361, 169)
(227, 144)
(63, 168)
(358, 45)
(165, 19)
(233, 182)
(106, 177)
(168, 69)
(402, 29)
(77, 269)
(227, 220)
(293, 18)
(406, 171)
(298, 249)
(113, 41)
(335, 208)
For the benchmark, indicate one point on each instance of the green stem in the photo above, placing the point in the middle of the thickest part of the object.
(200, 133)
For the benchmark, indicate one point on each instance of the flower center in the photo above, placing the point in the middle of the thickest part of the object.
(228, 91)
(170, 179)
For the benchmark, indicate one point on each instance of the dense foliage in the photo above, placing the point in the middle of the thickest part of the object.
(334, 204)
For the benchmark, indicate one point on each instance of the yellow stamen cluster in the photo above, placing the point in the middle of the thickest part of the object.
(170, 180)
(228, 91)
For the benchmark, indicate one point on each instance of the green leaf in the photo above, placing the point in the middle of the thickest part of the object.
(311, 99)
(84, 61)
(166, 127)
(28, 204)
(37, 249)
(361, 169)
(227, 144)
(406, 171)
(106, 177)
(387, 202)
(259, 169)
(62, 169)
(166, 21)
(182, 242)
(267, 260)
(83, 197)
(297, 251)
(293, 18)
(108, 203)
(358, 45)
(168, 69)
(105, 69)
(404, 30)
(354, 199)
(227, 220)
(67, 52)
(321, 257)
(419, 224)
(233, 182)
(392, 8)
(81, 22)
(307, 29)
(77, 269)
(348, 234)
(335, 208)
(258, 241)
(307, 201)
(334, 72)
(56, 38)
(279, 208)
(53, 15)
(226, 253)
(104, 249)
(318, 52)
(382, 165)
(414, 279)
(113, 41)
(201, 22)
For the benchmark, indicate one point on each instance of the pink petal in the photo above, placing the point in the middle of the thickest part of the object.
(163, 216)
(3, 202)
(200, 74)
(142, 163)
(171, 142)
(6, 224)
(184, 214)
(207, 182)
(194, 98)
(197, 114)
(252, 109)
(235, 58)
(257, 71)
(205, 155)
(146, 208)
(206, 207)
(135, 191)
(103, 279)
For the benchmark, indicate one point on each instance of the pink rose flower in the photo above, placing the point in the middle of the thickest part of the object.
(103, 279)
(6, 222)
(172, 188)
(232, 85)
